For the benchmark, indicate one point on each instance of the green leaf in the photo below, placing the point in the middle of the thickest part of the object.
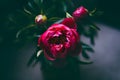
(64, 7)
(86, 47)
(23, 29)
(37, 35)
(91, 13)
(30, 5)
(68, 15)
(32, 59)
(92, 39)
(93, 26)
(86, 61)
(39, 53)
(59, 21)
(27, 11)
(82, 60)
(54, 19)
(95, 12)
(84, 54)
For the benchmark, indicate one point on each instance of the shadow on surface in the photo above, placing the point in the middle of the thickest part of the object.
(69, 71)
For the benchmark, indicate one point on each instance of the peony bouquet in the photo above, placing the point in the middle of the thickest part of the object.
(62, 39)
(57, 31)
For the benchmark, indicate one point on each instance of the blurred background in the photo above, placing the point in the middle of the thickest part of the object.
(14, 56)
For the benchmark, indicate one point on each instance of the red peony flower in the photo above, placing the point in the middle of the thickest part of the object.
(80, 13)
(70, 22)
(59, 41)
(40, 19)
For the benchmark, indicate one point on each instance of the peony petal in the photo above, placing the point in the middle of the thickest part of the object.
(48, 56)
(69, 22)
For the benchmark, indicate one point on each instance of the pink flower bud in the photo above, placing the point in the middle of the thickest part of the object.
(40, 19)
(80, 13)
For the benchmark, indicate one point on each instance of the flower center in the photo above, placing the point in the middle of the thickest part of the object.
(57, 39)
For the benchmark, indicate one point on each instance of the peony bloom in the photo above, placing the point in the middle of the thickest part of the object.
(80, 13)
(70, 22)
(59, 41)
(40, 19)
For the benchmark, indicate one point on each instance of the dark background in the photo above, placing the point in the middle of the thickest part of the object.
(13, 57)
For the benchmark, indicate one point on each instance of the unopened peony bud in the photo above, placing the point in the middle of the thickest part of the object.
(40, 19)
(80, 13)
